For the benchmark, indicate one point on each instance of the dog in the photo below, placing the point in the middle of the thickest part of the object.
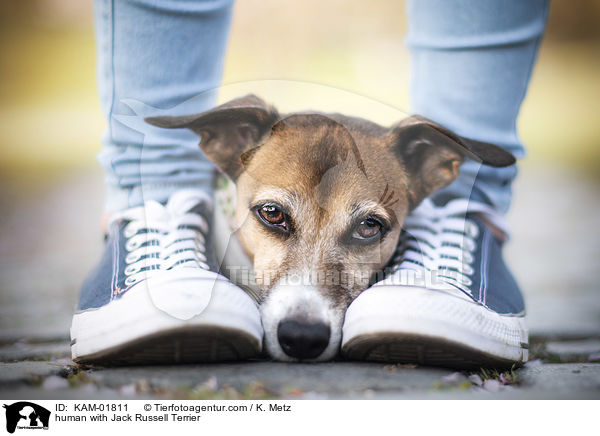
(320, 202)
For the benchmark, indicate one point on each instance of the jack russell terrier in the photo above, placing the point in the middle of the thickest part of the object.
(320, 202)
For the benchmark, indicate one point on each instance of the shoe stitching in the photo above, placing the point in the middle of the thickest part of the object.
(115, 277)
(484, 266)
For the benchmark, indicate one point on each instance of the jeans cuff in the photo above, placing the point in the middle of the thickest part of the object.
(119, 199)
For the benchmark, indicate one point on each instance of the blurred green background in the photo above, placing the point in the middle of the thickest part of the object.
(50, 117)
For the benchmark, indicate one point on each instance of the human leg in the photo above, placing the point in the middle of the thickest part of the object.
(449, 298)
(156, 295)
(156, 57)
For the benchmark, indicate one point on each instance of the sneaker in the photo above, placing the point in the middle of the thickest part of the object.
(449, 299)
(157, 297)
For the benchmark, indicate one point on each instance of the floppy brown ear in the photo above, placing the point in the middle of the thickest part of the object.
(226, 131)
(432, 154)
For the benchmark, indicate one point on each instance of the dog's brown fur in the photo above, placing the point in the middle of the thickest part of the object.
(328, 172)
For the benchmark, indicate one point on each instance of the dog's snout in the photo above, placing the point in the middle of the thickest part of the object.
(303, 340)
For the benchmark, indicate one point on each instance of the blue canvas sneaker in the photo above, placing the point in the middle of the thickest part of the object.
(156, 295)
(448, 298)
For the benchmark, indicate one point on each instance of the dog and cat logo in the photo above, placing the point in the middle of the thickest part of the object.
(26, 415)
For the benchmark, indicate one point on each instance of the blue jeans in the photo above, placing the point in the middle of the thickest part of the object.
(471, 64)
(156, 57)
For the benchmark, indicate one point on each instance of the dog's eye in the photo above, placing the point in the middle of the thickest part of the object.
(273, 216)
(367, 229)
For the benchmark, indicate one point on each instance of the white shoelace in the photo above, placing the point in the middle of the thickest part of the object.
(163, 237)
(439, 243)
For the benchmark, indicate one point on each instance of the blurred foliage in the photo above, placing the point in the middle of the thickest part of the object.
(50, 116)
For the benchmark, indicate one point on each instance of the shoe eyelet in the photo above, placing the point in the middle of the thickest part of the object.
(467, 269)
(131, 281)
(132, 257)
(471, 229)
(132, 244)
(131, 229)
(467, 257)
(469, 244)
(131, 269)
(466, 281)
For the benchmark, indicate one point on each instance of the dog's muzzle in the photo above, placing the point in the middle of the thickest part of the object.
(300, 323)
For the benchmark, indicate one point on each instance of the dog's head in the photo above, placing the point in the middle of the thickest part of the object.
(320, 203)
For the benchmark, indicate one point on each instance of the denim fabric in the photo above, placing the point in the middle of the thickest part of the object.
(471, 63)
(107, 281)
(493, 284)
(169, 55)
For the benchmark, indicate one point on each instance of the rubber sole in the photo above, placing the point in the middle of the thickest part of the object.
(392, 347)
(179, 345)
(433, 328)
(174, 318)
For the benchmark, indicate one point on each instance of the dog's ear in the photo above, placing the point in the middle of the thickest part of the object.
(432, 154)
(227, 131)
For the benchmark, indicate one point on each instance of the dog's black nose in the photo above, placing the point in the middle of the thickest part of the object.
(302, 340)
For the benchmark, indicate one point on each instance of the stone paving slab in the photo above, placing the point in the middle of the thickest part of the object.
(29, 372)
(348, 380)
(555, 378)
(88, 392)
(332, 379)
(359, 380)
(568, 349)
(23, 350)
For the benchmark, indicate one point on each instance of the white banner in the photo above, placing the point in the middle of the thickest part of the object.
(297, 417)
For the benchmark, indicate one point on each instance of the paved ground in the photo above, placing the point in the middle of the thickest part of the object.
(50, 240)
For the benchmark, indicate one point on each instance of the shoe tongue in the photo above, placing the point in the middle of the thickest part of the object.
(432, 210)
(188, 200)
(451, 205)
(156, 211)
(441, 199)
(152, 210)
